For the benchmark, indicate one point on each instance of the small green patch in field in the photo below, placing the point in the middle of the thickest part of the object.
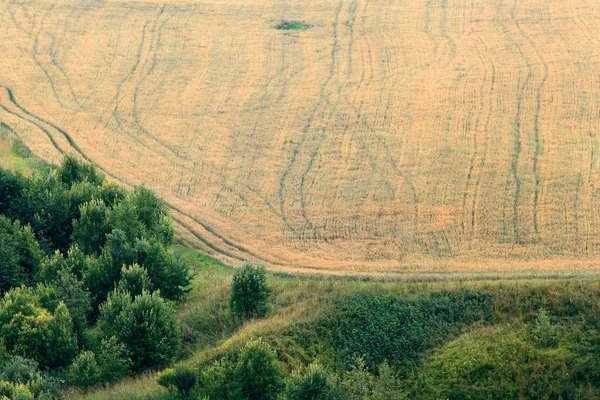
(20, 150)
(291, 26)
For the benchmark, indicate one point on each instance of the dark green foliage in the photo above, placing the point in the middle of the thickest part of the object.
(402, 330)
(20, 255)
(257, 374)
(72, 292)
(89, 369)
(134, 279)
(151, 212)
(181, 378)
(113, 360)
(12, 189)
(316, 383)
(167, 272)
(49, 209)
(249, 291)
(19, 370)
(146, 325)
(90, 230)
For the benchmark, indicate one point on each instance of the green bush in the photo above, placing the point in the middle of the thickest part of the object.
(85, 370)
(21, 392)
(215, 379)
(315, 383)
(30, 329)
(180, 378)
(249, 291)
(19, 370)
(147, 325)
(257, 374)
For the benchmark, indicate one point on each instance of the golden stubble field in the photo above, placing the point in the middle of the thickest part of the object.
(403, 136)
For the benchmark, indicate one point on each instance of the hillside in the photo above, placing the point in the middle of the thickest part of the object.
(402, 137)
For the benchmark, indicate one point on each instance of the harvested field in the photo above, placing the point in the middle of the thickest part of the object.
(388, 136)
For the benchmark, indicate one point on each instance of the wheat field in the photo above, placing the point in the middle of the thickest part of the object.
(396, 136)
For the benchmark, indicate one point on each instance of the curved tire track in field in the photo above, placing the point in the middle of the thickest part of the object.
(536, 124)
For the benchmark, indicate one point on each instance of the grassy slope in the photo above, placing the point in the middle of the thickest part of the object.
(14, 155)
(210, 330)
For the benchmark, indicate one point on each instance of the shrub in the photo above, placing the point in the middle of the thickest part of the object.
(249, 291)
(166, 272)
(85, 370)
(314, 384)
(147, 325)
(20, 254)
(257, 374)
(180, 378)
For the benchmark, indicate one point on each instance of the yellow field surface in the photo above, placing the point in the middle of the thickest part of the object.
(390, 136)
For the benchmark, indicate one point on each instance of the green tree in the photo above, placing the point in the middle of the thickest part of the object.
(249, 291)
(134, 279)
(85, 370)
(146, 324)
(152, 213)
(73, 170)
(12, 188)
(166, 272)
(90, 230)
(20, 255)
(257, 375)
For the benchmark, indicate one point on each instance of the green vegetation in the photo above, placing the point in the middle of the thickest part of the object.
(88, 280)
(291, 26)
(180, 378)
